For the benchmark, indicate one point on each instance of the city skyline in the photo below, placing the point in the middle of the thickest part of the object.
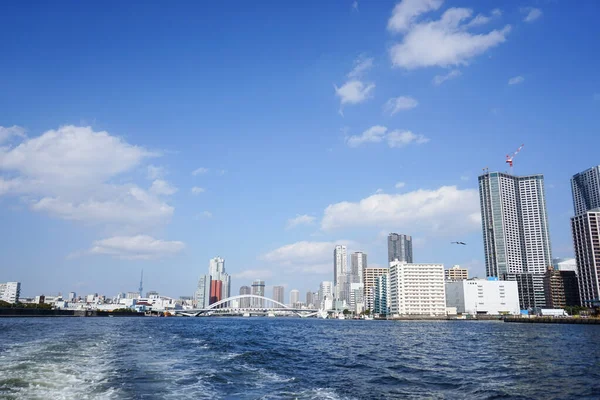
(362, 137)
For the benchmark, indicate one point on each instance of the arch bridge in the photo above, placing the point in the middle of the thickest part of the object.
(248, 304)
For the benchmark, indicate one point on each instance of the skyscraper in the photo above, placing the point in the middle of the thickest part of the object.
(294, 297)
(586, 190)
(400, 248)
(245, 303)
(325, 290)
(278, 294)
(358, 262)
(202, 294)
(516, 237)
(586, 240)
(340, 271)
(370, 276)
(258, 289)
(216, 270)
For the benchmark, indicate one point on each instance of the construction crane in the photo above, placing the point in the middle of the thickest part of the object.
(510, 157)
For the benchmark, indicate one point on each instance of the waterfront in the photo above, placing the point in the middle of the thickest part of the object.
(206, 358)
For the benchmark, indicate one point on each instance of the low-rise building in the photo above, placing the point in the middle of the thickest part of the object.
(561, 288)
(10, 292)
(481, 296)
(417, 289)
(456, 273)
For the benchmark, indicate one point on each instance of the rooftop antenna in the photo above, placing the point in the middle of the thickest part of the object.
(141, 282)
(509, 158)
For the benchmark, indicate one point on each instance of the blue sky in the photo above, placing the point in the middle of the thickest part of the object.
(306, 123)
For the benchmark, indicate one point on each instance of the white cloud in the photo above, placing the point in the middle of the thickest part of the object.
(399, 185)
(155, 172)
(300, 220)
(446, 210)
(355, 5)
(354, 92)
(200, 171)
(444, 42)
(496, 12)
(439, 79)
(532, 14)
(197, 190)
(136, 247)
(396, 104)
(404, 138)
(516, 80)
(162, 187)
(69, 173)
(310, 257)
(378, 133)
(406, 11)
(252, 274)
(361, 65)
(11, 131)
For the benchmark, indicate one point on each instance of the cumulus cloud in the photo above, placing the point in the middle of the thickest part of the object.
(396, 104)
(404, 138)
(446, 210)
(310, 257)
(532, 14)
(394, 139)
(516, 80)
(197, 190)
(354, 92)
(69, 173)
(162, 187)
(444, 42)
(439, 79)
(8, 132)
(136, 247)
(300, 220)
(199, 171)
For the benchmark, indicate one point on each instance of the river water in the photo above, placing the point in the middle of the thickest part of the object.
(287, 358)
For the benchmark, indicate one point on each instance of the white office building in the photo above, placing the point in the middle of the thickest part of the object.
(481, 296)
(10, 292)
(417, 289)
(340, 272)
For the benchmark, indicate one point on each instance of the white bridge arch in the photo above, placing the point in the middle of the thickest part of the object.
(218, 307)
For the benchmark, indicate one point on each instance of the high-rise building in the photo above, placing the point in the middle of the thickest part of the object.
(216, 270)
(516, 237)
(10, 291)
(417, 289)
(294, 297)
(278, 294)
(216, 291)
(245, 303)
(202, 294)
(586, 190)
(381, 296)
(456, 273)
(309, 299)
(356, 297)
(358, 262)
(400, 248)
(340, 271)
(586, 241)
(561, 288)
(72, 296)
(258, 289)
(370, 276)
(325, 290)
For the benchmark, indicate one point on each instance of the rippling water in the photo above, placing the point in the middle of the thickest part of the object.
(286, 358)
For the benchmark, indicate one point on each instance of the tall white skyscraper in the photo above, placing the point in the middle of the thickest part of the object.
(358, 262)
(294, 297)
(340, 272)
(515, 224)
(216, 270)
(278, 294)
(586, 190)
(400, 248)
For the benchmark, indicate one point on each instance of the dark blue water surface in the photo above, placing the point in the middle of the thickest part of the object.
(286, 358)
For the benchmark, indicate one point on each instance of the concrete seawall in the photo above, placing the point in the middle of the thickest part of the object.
(550, 320)
(33, 312)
